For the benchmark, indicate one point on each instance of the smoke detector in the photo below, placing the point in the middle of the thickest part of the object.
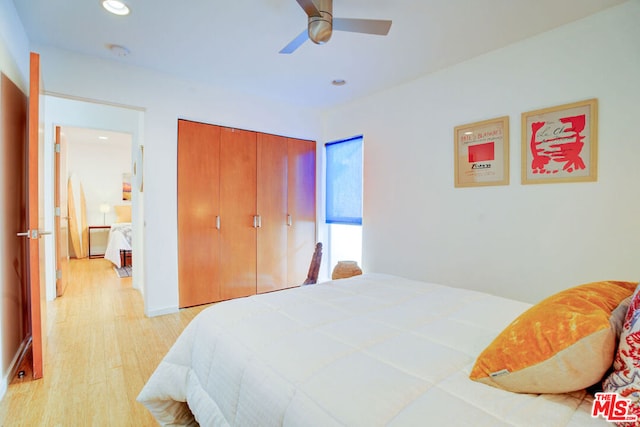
(119, 51)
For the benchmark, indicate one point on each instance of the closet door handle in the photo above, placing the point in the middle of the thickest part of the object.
(289, 220)
(259, 221)
(218, 222)
(255, 221)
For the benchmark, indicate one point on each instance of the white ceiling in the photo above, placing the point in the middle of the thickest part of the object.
(235, 43)
(81, 136)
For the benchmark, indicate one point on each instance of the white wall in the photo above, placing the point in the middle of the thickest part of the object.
(524, 242)
(14, 45)
(164, 100)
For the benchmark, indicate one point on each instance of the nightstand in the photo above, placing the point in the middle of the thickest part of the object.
(101, 234)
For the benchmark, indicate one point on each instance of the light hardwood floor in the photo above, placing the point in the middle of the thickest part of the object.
(100, 349)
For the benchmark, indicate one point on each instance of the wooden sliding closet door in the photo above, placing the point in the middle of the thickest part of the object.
(272, 209)
(301, 177)
(246, 212)
(198, 207)
(237, 213)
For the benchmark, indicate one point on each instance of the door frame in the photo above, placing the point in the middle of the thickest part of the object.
(61, 214)
(62, 110)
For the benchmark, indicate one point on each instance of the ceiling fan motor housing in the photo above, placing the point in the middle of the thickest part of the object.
(321, 27)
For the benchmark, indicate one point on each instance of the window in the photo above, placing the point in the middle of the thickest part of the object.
(344, 200)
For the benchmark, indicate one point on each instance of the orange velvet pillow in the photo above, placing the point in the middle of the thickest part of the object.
(564, 343)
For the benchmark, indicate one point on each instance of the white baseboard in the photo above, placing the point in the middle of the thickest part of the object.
(161, 312)
(13, 367)
(3, 387)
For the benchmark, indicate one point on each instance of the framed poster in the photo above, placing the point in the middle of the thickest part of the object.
(482, 153)
(560, 144)
(126, 186)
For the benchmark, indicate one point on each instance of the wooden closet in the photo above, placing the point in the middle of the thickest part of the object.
(246, 212)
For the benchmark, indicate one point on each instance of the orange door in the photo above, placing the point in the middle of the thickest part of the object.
(14, 193)
(61, 221)
(198, 212)
(238, 217)
(272, 210)
(37, 296)
(301, 190)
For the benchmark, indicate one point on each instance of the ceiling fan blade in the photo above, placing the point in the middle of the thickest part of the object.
(368, 26)
(296, 43)
(309, 7)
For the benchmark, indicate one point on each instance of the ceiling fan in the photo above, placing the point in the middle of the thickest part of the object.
(322, 23)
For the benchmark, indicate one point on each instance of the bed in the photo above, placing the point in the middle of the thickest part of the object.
(119, 240)
(365, 351)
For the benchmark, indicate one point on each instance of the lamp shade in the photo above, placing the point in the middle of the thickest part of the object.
(104, 208)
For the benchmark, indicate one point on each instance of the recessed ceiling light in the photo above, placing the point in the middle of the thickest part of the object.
(103, 138)
(339, 82)
(116, 7)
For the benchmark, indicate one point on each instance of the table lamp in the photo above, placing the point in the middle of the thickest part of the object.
(104, 208)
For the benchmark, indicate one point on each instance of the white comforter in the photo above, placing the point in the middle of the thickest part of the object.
(119, 238)
(366, 351)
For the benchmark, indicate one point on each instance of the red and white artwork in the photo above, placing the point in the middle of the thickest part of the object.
(482, 153)
(559, 144)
